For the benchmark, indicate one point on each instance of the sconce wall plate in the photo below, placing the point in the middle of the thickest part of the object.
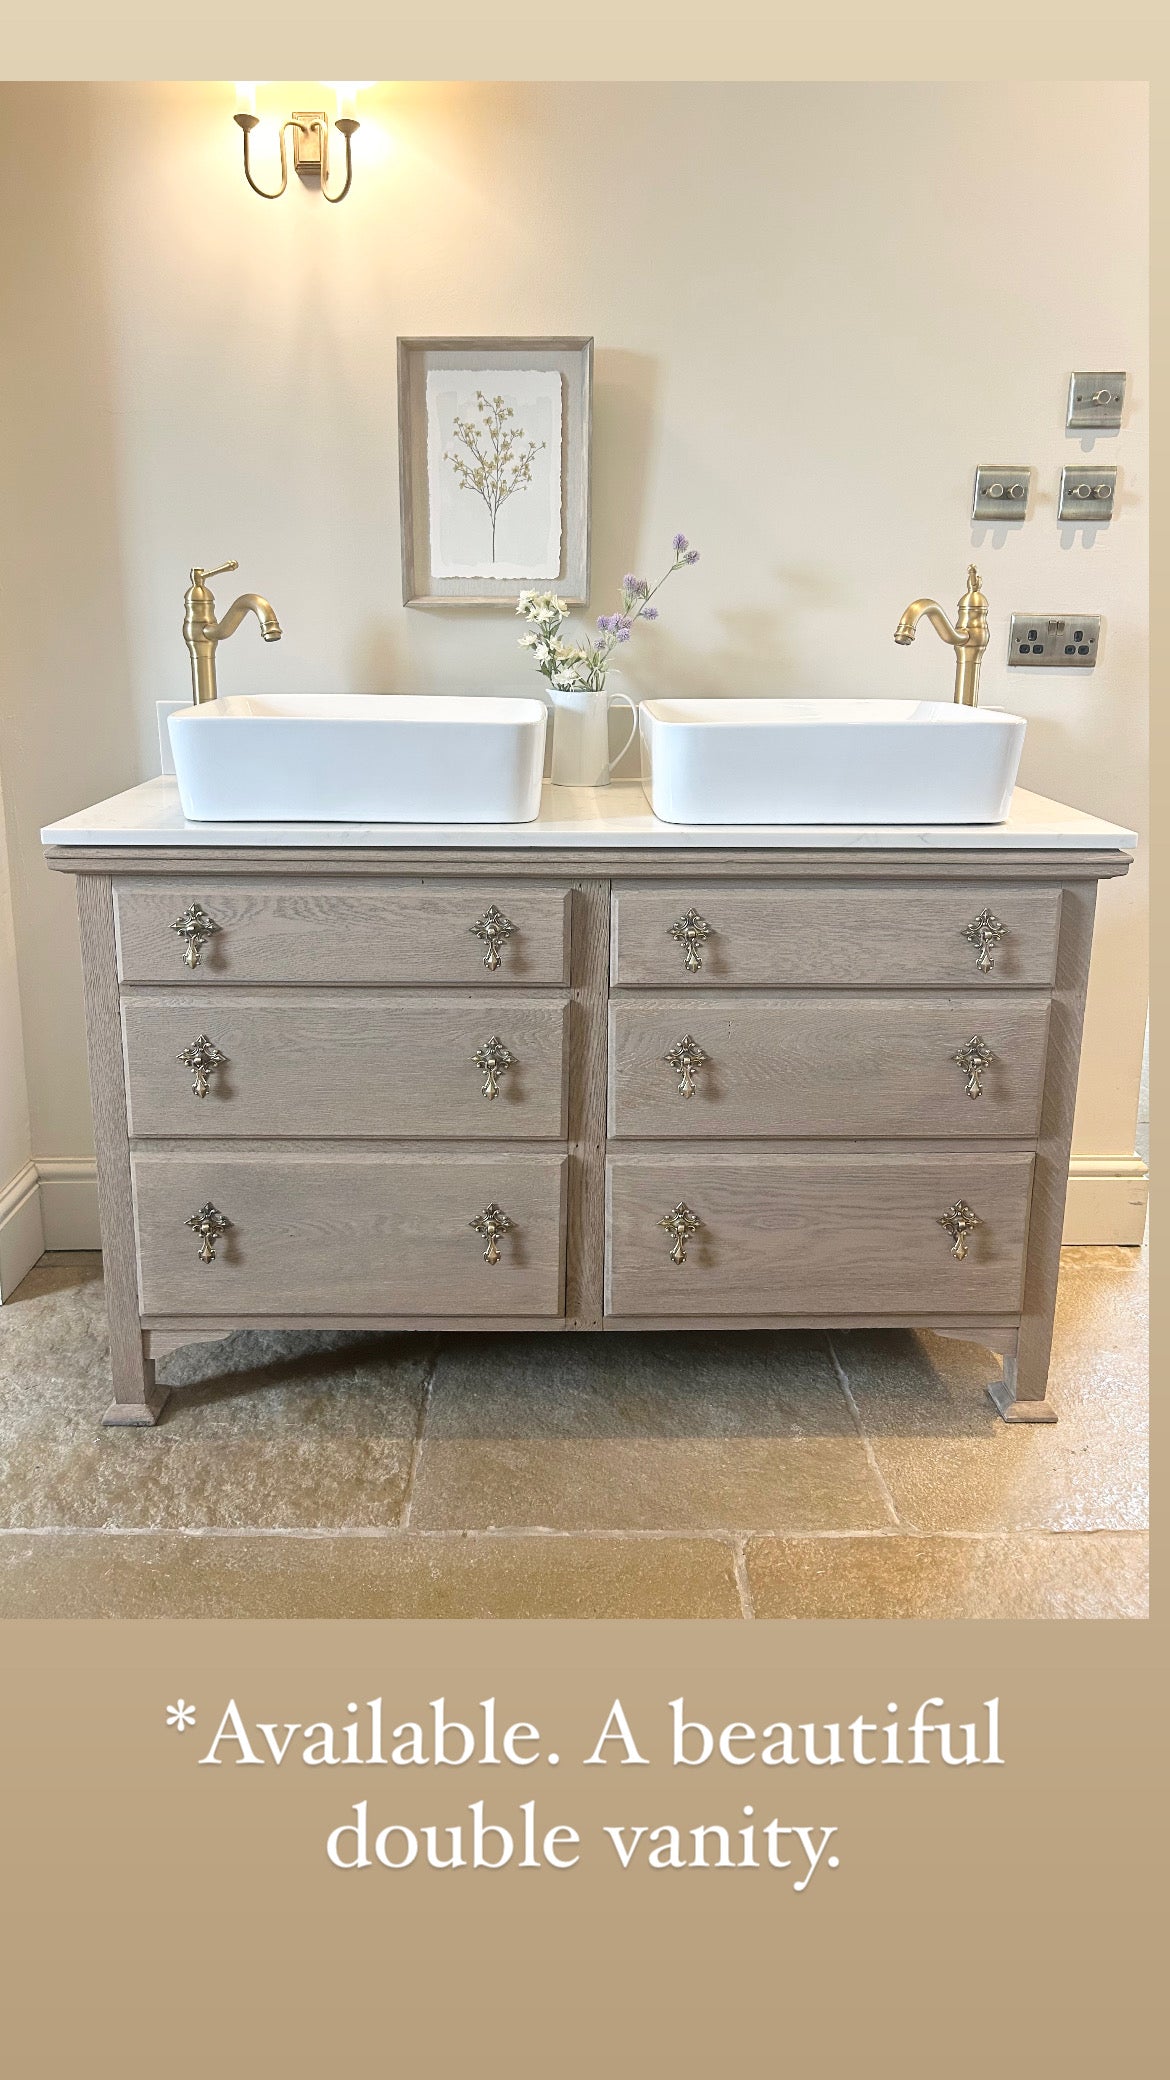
(313, 125)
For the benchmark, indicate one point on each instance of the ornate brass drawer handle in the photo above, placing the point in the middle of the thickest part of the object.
(491, 1222)
(692, 932)
(493, 1058)
(958, 1220)
(973, 1058)
(210, 1224)
(203, 1058)
(985, 932)
(493, 928)
(686, 1058)
(681, 1224)
(194, 928)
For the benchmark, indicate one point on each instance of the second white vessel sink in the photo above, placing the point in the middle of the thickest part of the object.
(360, 758)
(839, 761)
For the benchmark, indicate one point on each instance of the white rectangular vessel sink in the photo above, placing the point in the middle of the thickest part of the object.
(838, 761)
(360, 758)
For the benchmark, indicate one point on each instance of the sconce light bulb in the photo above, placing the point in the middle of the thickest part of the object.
(246, 97)
(346, 91)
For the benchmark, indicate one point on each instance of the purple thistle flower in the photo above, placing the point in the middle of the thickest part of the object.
(623, 634)
(630, 583)
(649, 613)
(680, 544)
(692, 556)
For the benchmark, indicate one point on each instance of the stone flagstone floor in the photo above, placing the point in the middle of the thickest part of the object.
(745, 1474)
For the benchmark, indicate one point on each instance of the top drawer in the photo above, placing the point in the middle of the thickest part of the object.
(867, 936)
(302, 929)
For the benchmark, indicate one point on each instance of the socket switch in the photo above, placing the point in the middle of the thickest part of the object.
(1095, 401)
(1068, 642)
(1087, 496)
(1001, 494)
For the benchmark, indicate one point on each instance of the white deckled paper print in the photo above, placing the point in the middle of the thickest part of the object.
(494, 472)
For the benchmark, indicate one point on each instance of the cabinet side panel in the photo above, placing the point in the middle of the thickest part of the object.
(136, 1398)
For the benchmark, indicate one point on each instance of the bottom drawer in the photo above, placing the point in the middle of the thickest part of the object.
(818, 1233)
(336, 1233)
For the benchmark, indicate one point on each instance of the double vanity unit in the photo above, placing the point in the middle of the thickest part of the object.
(591, 1071)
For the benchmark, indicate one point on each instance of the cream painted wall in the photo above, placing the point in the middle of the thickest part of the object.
(21, 1232)
(817, 307)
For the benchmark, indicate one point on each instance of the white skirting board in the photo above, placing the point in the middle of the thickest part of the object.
(22, 1235)
(52, 1204)
(1108, 1197)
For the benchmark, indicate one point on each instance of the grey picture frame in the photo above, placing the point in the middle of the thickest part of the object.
(573, 359)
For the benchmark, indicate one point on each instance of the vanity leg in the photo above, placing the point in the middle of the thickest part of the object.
(1015, 1407)
(1021, 1395)
(138, 1399)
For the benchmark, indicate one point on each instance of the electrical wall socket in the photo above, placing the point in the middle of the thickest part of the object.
(1067, 642)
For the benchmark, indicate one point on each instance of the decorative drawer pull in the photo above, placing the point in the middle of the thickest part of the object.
(209, 1223)
(194, 928)
(493, 928)
(493, 1058)
(203, 1058)
(985, 932)
(691, 931)
(491, 1222)
(973, 1058)
(686, 1058)
(958, 1220)
(680, 1223)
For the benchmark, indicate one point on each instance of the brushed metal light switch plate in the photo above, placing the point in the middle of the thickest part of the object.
(1096, 398)
(1001, 494)
(1087, 496)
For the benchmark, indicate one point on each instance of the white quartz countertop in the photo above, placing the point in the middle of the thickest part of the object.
(617, 817)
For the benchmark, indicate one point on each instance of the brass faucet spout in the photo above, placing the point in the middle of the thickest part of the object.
(929, 610)
(967, 637)
(249, 603)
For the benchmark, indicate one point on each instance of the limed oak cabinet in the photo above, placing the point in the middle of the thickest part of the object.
(586, 1086)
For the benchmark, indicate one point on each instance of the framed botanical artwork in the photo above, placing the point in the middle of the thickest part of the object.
(494, 441)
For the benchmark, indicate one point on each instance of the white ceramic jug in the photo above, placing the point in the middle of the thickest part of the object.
(580, 753)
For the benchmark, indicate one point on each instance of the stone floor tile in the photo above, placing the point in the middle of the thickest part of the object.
(273, 1429)
(1100, 1574)
(73, 1575)
(950, 1462)
(707, 1432)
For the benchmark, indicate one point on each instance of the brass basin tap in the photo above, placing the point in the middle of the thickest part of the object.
(202, 632)
(968, 637)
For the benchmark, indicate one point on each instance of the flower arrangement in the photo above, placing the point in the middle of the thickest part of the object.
(583, 666)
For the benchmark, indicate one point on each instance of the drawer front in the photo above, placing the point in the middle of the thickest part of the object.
(822, 1232)
(350, 1063)
(306, 930)
(863, 1066)
(349, 1234)
(902, 936)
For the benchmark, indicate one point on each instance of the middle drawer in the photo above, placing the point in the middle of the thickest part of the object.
(345, 1063)
(683, 1068)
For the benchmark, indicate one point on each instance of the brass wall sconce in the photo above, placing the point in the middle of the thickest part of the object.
(311, 131)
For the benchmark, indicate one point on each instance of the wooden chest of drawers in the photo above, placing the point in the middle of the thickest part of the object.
(584, 1091)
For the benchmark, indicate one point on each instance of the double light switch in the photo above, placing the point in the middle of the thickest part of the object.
(1001, 494)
